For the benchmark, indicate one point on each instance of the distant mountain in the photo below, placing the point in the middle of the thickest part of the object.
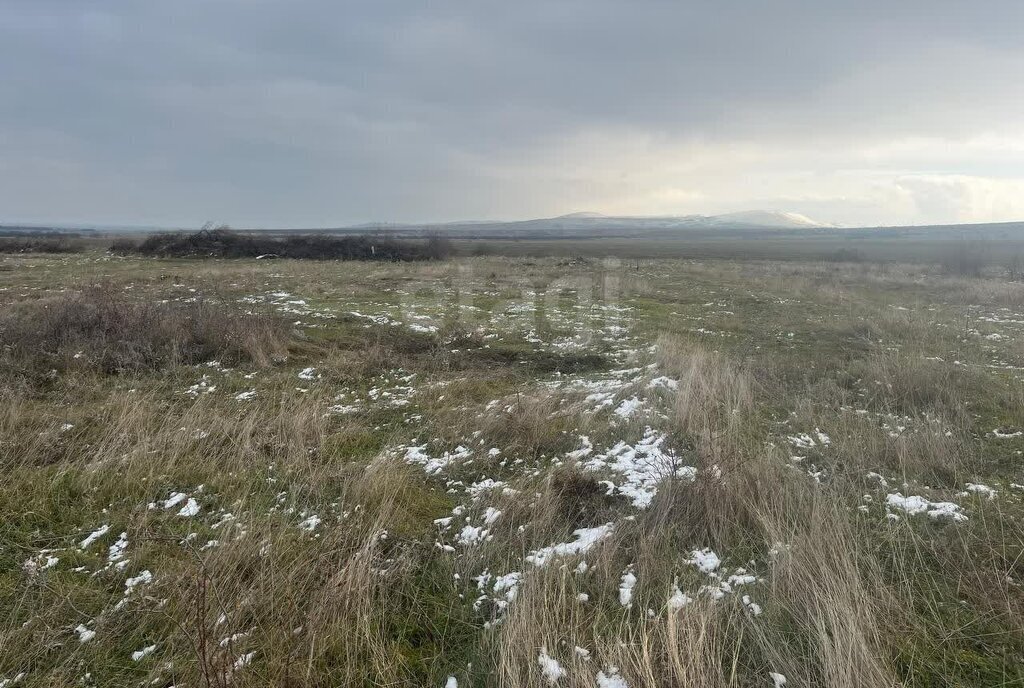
(768, 218)
(628, 224)
(584, 214)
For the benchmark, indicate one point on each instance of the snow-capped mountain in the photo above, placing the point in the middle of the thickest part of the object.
(596, 224)
(760, 219)
(769, 218)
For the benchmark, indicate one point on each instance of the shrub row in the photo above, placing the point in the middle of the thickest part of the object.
(224, 243)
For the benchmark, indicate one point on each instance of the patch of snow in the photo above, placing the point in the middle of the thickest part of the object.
(679, 599)
(190, 509)
(472, 535)
(982, 489)
(915, 504)
(175, 499)
(310, 523)
(549, 667)
(612, 679)
(117, 550)
(508, 586)
(586, 538)
(643, 466)
(144, 578)
(432, 465)
(705, 560)
(586, 449)
(802, 441)
(94, 536)
(626, 585)
(628, 407)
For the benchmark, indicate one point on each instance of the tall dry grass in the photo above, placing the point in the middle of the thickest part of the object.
(105, 331)
(714, 399)
(372, 597)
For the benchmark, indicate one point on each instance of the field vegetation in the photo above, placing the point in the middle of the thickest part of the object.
(492, 471)
(40, 244)
(221, 242)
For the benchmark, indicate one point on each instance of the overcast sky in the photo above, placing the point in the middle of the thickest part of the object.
(327, 112)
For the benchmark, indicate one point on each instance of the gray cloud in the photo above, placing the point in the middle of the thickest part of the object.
(270, 112)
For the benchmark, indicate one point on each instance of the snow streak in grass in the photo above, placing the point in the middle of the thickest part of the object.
(94, 536)
(626, 586)
(586, 538)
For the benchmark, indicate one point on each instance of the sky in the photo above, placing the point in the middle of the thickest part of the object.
(305, 113)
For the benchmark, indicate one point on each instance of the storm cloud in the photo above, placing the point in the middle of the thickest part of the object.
(317, 113)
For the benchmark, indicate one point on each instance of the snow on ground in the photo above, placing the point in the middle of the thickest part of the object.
(611, 679)
(678, 599)
(431, 465)
(585, 539)
(94, 536)
(549, 667)
(705, 560)
(626, 586)
(916, 504)
(978, 488)
(639, 468)
(84, 634)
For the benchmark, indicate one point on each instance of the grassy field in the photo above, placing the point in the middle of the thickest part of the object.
(509, 472)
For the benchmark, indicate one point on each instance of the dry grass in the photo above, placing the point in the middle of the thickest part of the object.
(107, 332)
(382, 590)
(714, 399)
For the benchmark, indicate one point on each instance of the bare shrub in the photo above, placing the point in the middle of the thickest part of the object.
(221, 242)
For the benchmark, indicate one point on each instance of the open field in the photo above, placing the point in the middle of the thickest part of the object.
(995, 248)
(509, 472)
(995, 253)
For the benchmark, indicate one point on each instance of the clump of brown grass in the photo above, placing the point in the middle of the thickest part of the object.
(715, 397)
(909, 384)
(821, 592)
(102, 330)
